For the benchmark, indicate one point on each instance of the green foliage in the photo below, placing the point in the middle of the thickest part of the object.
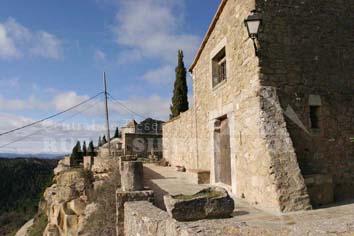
(103, 221)
(22, 183)
(84, 149)
(116, 133)
(180, 91)
(99, 144)
(91, 150)
(39, 225)
(104, 140)
(76, 155)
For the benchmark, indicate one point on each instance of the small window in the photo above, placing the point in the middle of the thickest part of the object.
(219, 67)
(315, 117)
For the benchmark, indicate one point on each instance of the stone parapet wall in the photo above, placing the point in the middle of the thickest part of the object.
(179, 141)
(122, 198)
(142, 218)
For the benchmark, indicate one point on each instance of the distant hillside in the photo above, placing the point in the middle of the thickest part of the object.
(22, 181)
(31, 155)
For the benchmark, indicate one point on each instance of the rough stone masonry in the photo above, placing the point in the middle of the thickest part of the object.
(288, 112)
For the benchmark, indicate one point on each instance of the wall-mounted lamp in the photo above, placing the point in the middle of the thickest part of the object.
(252, 23)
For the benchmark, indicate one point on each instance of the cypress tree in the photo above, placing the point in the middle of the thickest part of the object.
(180, 91)
(84, 149)
(116, 134)
(99, 142)
(91, 150)
(76, 155)
(104, 140)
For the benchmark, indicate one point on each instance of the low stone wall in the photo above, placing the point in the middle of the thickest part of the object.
(143, 218)
(123, 197)
(179, 141)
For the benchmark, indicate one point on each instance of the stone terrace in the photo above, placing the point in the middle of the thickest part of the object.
(333, 220)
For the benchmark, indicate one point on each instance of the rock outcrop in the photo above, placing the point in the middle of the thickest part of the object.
(65, 201)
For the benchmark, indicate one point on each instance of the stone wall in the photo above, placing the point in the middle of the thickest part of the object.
(307, 54)
(263, 162)
(306, 58)
(179, 142)
(142, 218)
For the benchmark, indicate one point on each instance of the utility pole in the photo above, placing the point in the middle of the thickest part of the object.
(107, 116)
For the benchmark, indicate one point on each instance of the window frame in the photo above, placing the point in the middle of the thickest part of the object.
(215, 60)
(314, 117)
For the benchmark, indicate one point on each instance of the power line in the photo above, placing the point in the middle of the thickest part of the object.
(61, 121)
(52, 116)
(125, 107)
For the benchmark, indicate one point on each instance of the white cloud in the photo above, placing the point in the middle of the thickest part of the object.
(48, 137)
(17, 31)
(100, 55)
(61, 101)
(153, 106)
(128, 56)
(31, 103)
(16, 41)
(65, 100)
(59, 136)
(7, 46)
(163, 75)
(47, 46)
(151, 28)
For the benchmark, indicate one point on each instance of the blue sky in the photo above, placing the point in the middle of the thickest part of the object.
(53, 54)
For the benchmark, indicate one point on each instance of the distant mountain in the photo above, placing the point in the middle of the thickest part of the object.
(22, 182)
(31, 155)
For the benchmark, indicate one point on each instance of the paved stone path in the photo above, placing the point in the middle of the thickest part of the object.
(333, 220)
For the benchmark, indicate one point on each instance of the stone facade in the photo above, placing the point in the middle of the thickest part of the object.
(141, 139)
(142, 144)
(178, 141)
(307, 54)
(305, 60)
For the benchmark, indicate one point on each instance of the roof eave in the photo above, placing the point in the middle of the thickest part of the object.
(207, 35)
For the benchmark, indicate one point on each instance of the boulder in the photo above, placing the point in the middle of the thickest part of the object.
(212, 202)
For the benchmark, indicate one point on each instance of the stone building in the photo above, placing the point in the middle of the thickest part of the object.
(275, 128)
(141, 139)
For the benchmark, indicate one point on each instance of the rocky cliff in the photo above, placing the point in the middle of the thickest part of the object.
(68, 204)
(65, 203)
